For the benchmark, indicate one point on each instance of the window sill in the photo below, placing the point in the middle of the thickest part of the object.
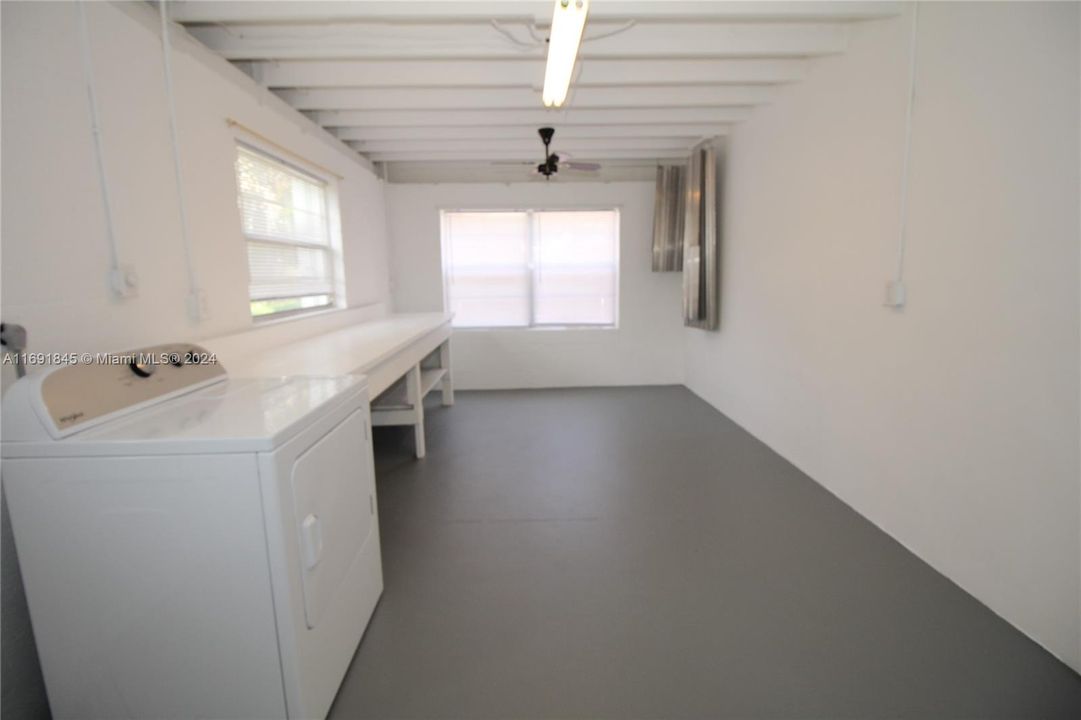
(538, 328)
(281, 318)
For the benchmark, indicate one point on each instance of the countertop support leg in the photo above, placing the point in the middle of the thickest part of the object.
(447, 384)
(415, 398)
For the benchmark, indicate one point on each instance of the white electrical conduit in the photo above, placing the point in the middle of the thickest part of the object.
(621, 29)
(903, 229)
(95, 130)
(536, 42)
(194, 299)
(539, 41)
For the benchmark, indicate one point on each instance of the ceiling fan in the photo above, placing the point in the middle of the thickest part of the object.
(554, 161)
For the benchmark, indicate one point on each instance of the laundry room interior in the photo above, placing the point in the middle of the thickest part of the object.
(540, 359)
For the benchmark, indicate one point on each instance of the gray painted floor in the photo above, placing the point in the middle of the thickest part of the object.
(632, 553)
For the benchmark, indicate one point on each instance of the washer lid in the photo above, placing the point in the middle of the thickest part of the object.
(233, 416)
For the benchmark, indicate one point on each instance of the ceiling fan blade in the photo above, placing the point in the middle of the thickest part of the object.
(583, 166)
(519, 163)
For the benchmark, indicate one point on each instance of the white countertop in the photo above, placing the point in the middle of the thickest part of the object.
(354, 349)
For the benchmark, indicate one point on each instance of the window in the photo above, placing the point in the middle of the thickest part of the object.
(284, 214)
(532, 268)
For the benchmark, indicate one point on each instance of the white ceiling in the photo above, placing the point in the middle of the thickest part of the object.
(439, 88)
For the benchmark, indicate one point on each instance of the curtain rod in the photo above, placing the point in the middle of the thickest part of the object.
(281, 148)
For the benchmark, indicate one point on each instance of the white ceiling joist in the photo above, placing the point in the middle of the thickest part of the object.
(531, 118)
(520, 155)
(537, 11)
(481, 40)
(660, 96)
(455, 84)
(522, 73)
(530, 146)
(509, 132)
(485, 171)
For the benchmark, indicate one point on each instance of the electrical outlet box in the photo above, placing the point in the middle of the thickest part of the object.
(895, 294)
(124, 281)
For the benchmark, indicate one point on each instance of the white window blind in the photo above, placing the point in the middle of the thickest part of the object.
(284, 217)
(532, 268)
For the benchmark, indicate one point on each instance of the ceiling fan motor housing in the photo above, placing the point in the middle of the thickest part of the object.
(550, 166)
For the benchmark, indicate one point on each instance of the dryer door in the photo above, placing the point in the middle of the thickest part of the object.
(322, 530)
(332, 496)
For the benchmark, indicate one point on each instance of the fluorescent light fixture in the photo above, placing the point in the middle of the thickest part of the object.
(568, 21)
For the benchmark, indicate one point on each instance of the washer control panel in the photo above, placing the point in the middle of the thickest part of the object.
(104, 385)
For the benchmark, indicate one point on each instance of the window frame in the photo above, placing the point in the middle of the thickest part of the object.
(333, 224)
(532, 265)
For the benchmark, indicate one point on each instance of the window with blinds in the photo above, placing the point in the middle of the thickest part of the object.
(533, 268)
(284, 215)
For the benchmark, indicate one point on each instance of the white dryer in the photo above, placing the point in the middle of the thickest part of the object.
(192, 546)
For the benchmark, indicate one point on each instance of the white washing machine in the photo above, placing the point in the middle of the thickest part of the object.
(192, 546)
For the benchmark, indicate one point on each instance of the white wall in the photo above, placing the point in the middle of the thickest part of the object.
(647, 347)
(954, 425)
(55, 254)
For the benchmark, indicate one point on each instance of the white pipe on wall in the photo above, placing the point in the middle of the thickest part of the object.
(95, 130)
(896, 295)
(195, 297)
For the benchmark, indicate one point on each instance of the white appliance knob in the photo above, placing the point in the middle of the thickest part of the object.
(141, 368)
